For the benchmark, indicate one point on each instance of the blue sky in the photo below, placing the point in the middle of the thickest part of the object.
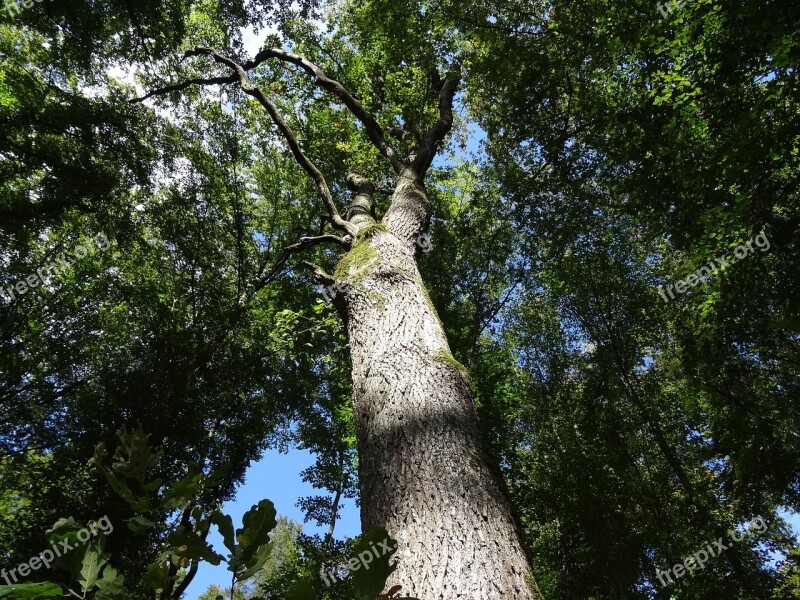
(276, 477)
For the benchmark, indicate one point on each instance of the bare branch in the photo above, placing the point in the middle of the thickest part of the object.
(305, 162)
(261, 280)
(188, 83)
(371, 126)
(357, 183)
(305, 242)
(432, 138)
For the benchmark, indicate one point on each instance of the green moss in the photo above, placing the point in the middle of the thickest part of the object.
(379, 301)
(353, 265)
(445, 356)
(532, 585)
(369, 231)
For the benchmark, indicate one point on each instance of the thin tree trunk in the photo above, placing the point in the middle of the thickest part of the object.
(424, 472)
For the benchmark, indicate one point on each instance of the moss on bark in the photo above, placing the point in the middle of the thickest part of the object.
(354, 265)
(368, 232)
(445, 356)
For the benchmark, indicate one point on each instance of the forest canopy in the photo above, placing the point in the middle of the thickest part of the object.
(544, 250)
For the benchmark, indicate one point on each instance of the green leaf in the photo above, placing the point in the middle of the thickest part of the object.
(134, 456)
(257, 523)
(94, 558)
(225, 525)
(73, 560)
(140, 524)
(370, 579)
(187, 545)
(31, 591)
(64, 529)
(123, 491)
(255, 563)
(157, 576)
(111, 586)
(184, 491)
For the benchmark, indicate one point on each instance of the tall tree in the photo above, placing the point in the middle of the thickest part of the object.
(424, 471)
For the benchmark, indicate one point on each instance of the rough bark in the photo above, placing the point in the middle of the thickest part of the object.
(423, 469)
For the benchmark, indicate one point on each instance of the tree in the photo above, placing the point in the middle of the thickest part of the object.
(424, 471)
(634, 149)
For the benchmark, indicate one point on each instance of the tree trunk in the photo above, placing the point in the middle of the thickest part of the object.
(424, 473)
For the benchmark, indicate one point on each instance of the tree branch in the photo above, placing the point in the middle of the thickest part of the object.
(320, 275)
(371, 126)
(188, 83)
(304, 243)
(435, 134)
(308, 166)
(260, 282)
